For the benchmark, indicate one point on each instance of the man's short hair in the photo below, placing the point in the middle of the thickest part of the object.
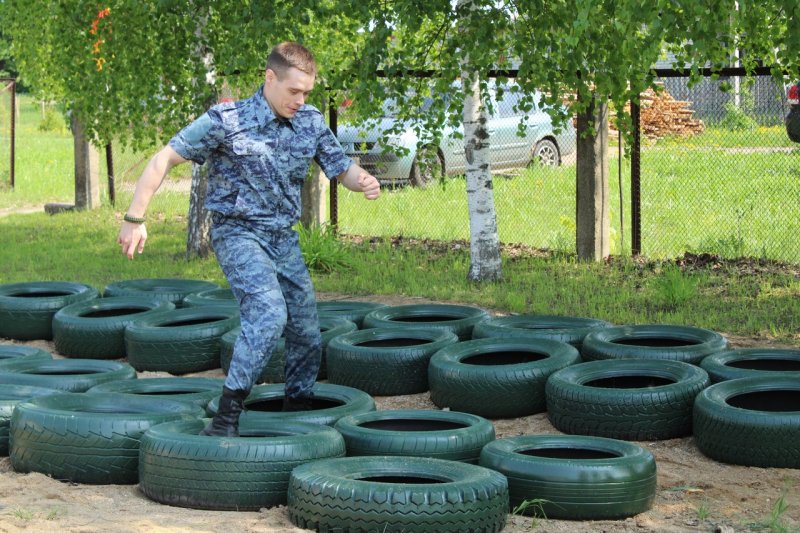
(287, 55)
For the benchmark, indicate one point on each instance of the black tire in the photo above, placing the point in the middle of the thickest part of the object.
(394, 494)
(401, 354)
(17, 352)
(88, 438)
(571, 330)
(330, 403)
(179, 341)
(752, 362)
(27, 309)
(673, 343)
(273, 372)
(417, 433)
(198, 391)
(96, 329)
(497, 378)
(426, 168)
(750, 421)
(347, 309)
(67, 375)
(574, 477)
(545, 153)
(170, 290)
(460, 319)
(210, 297)
(629, 399)
(10, 396)
(179, 467)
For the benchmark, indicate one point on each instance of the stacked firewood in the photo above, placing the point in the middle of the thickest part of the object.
(661, 115)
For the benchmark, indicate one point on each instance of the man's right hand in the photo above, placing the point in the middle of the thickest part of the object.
(132, 238)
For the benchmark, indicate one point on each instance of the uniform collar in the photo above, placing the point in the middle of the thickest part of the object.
(264, 111)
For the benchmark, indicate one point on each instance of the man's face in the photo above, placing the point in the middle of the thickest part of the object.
(287, 95)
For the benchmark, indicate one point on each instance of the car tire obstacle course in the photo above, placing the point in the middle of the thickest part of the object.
(670, 343)
(460, 319)
(168, 289)
(10, 396)
(752, 362)
(66, 375)
(197, 391)
(27, 309)
(571, 330)
(13, 353)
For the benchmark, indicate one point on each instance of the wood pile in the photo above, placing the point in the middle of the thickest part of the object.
(661, 115)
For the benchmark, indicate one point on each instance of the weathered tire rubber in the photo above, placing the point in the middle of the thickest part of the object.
(179, 467)
(401, 354)
(10, 396)
(273, 372)
(179, 341)
(574, 477)
(394, 494)
(12, 353)
(27, 309)
(169, 289)
(752, 362)
(497, 377)
(67, 375)
(198, 391)
(88, 438)
(460, 319)
(96, 329)
(348, 309)
(671, 343)
(629, 399)
(446, 435)
(571, 330)
(330, 403)
(750, 421)
(210, 297)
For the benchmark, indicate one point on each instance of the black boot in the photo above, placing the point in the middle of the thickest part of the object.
(302, 403)
(226, 422)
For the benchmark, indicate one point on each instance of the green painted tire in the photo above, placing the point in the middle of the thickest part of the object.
(750, 421)
(629, 399)
(397, 494)
(95, 329)
(27, 309)
(330, 403)
(574, 477)
(670, 343)
(88, 438)
(752, 362)
(497, 377)
(13, 353)
(416, 433)
(351, 310)
(571, 330)
(210, 297)
(198, 391)
(10, 396)
(460, 319)
(166, 289)
(179, 467)
(67, 375)
(179, 341)
(386, 361)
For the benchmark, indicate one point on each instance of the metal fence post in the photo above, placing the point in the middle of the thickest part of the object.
(112, 193)
(636, 177)
(334, 199)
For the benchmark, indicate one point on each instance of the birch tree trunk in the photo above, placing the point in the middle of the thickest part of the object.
(198, 240)
(484, 240)
(592, 206)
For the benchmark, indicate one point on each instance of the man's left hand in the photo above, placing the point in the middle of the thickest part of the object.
(369, 185)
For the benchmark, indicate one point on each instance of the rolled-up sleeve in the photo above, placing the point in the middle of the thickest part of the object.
(330, 156)
(196, 141)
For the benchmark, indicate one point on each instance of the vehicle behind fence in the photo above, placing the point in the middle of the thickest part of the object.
(718, 174)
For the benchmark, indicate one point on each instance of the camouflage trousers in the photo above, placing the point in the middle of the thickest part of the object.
(269, 278)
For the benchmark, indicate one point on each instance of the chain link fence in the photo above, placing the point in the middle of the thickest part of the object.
(718, 175)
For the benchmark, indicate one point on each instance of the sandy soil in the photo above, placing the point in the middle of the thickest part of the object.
(694, 493)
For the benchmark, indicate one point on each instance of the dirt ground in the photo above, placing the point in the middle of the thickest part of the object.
(694, 493)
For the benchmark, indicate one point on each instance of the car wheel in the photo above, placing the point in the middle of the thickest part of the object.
(545, 153)
(426, 168)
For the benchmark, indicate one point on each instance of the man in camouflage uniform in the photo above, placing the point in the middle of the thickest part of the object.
(259, 151)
